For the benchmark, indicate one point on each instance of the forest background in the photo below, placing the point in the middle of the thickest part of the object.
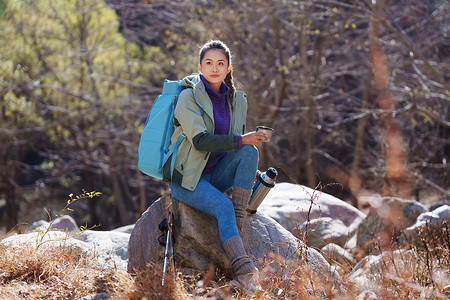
(357, 92)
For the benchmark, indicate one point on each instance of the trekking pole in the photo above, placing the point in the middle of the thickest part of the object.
(171, 247)
(166, 254)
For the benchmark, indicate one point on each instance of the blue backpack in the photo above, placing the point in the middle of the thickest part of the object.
(155, 139)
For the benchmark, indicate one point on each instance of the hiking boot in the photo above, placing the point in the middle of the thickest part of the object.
(248, 283)
(246, 274)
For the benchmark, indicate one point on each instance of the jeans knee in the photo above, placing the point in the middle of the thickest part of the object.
(249, 151)
(228, 208)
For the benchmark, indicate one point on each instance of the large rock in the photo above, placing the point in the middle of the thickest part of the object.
(143, 246)
(434, 219)
(289, 204)
(385, 222)
(398, 268)
(124, 229)
(427, 225)
(106, 247)
(197, 243)
(325, 230)
(110, 246)
(439, 203)
(63, 223)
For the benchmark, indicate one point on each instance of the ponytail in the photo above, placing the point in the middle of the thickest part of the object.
(229, 82)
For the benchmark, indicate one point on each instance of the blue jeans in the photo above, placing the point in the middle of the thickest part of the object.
(237, 168)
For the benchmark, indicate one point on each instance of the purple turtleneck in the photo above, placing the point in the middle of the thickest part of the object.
(221, 112)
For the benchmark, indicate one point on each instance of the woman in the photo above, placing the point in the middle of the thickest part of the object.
(216, 154)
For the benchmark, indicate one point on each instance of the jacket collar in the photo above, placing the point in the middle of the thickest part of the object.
(201, 96)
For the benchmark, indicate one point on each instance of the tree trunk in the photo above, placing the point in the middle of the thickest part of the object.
(355, 181)
(11, 215)
(92, 201)
(121, 207)
(397, 180)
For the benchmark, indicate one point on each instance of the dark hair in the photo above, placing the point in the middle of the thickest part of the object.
(216, 44)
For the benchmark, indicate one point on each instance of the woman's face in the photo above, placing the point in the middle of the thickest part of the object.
(214, 67)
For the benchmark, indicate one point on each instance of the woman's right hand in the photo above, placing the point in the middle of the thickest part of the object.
(253, 138)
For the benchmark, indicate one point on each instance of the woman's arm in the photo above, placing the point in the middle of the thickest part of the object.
(215, 143)
(222, 143)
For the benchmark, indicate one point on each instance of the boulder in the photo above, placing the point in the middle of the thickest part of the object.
(398, 268)
(143, 246)
(289, 204)
(385, 222)
(110, 246)
(197, 243)
(435, 219)
(39, 239)
(325, 230)
(106, 247)
(427, 223)
(124, 229)
(439, 203)
(63, 223)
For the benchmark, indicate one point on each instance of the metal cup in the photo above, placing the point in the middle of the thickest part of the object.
(267, 130)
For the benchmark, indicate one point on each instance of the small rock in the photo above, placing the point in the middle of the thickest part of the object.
(99, 296)
(336, 254)
(367, 296)
(64, 223)
(446, 290)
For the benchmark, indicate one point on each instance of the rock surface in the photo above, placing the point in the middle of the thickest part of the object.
(63, 223)
(385, 222)
(289, 204)
(426, 225)
(434, 219)
(397, 267)
(197, 242)
(143, 246)
(323, 231)
(336, 255)
(109, 248)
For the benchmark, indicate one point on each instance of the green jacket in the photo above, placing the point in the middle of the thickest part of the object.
(194, 118)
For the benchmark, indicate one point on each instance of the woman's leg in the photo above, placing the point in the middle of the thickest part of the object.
(237, 170)
(208, 199)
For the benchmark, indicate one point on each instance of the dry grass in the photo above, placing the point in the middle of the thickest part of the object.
(61, 272)
(53, 273)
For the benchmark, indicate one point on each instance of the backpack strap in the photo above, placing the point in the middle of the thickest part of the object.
(174, 150)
